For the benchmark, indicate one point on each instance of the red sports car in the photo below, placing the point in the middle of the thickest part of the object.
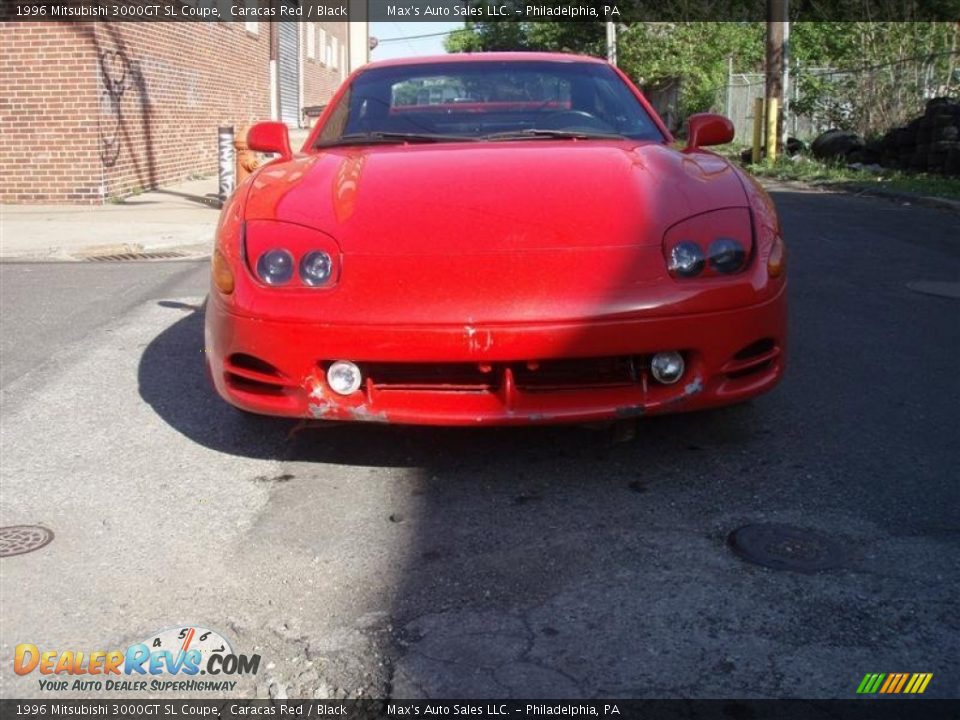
(495, 239)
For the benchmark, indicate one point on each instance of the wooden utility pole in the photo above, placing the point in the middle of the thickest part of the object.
(776, 20)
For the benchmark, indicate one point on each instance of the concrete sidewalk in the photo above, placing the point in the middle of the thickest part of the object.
(181, 217)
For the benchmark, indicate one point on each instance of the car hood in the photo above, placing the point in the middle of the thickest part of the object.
(514, 196)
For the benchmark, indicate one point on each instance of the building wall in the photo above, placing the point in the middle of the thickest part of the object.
(48, 114)
(97, 110)
(325, 65)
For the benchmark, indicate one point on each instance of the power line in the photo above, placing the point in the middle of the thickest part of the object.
(867, 68)
(409, 44)
(418, 37)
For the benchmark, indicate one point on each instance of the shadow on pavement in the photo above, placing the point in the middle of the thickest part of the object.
(549, 562)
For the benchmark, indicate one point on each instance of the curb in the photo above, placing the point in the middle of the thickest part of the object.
(864, 190)
(898, 196)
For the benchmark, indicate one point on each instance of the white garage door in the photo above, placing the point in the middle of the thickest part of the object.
(289, 72)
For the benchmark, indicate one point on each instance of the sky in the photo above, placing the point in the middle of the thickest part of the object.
(392, 47)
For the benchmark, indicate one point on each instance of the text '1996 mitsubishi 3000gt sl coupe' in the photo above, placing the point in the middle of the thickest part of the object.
(495, 238)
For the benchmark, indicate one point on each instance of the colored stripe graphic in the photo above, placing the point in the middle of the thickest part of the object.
(918, 683)
(890, 683)
(903, 679)
(894, 683)
(870, 683)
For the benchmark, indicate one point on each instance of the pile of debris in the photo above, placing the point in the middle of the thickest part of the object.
(929, 143)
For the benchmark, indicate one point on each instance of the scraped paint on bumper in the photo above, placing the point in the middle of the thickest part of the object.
(496, 374)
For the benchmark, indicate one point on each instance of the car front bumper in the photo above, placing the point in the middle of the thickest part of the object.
(496, 374)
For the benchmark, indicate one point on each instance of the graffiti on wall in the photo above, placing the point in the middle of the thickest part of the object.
(117, 76)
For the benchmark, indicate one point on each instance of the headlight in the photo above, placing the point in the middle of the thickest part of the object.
(686, 259)
(712, 244)
(291, 256)
(726, 255)
(275, 267)
(315, 268)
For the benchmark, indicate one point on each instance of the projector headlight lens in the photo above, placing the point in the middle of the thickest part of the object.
(315, 268)
(275, 267)
(686, 259)
(726, 255)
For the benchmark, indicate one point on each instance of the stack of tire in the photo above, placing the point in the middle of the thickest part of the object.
(929, 143)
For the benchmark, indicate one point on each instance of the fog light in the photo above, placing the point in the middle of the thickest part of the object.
(344, 377)
(667, 367)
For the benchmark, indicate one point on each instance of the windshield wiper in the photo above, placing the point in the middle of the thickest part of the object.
(377, 137)
(534, 133)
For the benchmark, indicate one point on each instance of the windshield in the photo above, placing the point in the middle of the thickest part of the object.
(494, 100)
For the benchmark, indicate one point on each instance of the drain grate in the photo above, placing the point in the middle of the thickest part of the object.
(784, 547)
(20, 539)
(121, 257)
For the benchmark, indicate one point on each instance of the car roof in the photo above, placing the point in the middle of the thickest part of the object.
(486, 57)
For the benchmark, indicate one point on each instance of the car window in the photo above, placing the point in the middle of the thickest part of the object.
(480, 100)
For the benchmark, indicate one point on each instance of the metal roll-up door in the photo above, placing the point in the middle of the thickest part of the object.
(289, 72)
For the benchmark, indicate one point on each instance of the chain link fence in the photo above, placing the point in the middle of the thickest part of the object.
(867, 100)
(737, 101)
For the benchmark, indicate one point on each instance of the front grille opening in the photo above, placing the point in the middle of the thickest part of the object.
(242, 361)
(755, 358)
(249, 385)
(760, 347)
(431, 376)
(532, 376)
(578, 373)
(751, 370)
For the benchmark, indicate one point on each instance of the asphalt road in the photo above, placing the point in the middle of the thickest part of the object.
(550, 562)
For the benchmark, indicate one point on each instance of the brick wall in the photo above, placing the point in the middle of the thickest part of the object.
(326, 66)
(98, 110)
(48, 114)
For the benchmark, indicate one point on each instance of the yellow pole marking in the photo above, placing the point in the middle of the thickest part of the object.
(772, 130)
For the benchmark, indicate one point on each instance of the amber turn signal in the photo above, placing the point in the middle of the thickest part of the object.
(777, 260)
(222, 274)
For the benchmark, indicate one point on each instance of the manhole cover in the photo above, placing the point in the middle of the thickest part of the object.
(936, 287)
(120, 257)
(20, 539)
(783, 547)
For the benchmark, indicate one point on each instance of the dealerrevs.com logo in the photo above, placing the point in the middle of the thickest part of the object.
(170, 660)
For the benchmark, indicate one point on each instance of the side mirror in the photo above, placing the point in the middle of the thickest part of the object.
(270, 137)
(708, 129)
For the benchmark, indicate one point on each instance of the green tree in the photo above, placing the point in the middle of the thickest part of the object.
(650, 53)
(870, 76)
(697, 54)
(866, 76)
